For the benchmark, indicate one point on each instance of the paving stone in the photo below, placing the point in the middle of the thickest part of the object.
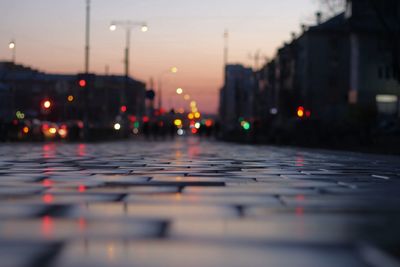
(249, 190)
(179, 253)
(21, 211)
(60, 229)
(154, 210)
(138, 190)
(66, 198)
(281, 228)
(22, 253)
(205, 199)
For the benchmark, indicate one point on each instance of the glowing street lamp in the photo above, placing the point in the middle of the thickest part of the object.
(46, 104)
(179, 91)
(117, 126)
(113, 27)
(144, 28)
(12, 47)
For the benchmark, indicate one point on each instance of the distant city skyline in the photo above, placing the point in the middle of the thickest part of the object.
(49, 36)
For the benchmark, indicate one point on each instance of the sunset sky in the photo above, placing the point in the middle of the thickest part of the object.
(188, 34)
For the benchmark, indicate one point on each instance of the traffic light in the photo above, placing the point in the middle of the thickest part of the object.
(246, 126)
(84, 80)
(82, 83)
(303, 113)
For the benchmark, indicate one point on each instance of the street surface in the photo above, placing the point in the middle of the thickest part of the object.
(196, 203)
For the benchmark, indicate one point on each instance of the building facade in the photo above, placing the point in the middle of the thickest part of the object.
(237, 96)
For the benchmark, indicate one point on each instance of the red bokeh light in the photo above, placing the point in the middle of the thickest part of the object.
(82, 83)
(48, 183)
(132, 118)
(81, 188)
(209, 123)
(48, 198)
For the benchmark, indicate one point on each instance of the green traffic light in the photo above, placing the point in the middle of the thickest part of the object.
(246, 126)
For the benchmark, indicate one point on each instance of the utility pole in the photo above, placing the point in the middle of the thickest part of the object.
(256, 57)
(107, 70)
(159, 94)
(88, 87)
(226, 51)
(87, 37)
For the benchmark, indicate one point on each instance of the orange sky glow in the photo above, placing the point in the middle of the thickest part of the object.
(49, 35)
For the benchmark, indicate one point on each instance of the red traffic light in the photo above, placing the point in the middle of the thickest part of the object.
(124, 109)
(82, 83)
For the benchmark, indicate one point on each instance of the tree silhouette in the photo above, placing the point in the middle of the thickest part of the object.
(330, 8)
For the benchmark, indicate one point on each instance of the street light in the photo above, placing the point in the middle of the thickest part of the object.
(128, 26)
(113, 27)
(12, 47)
(46, 104)
(144, 28)
(179, 91)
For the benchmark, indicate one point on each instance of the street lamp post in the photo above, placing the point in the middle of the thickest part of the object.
(12, 47)
(128, 26)
(86, 70)
(87, 36)
(172, 70)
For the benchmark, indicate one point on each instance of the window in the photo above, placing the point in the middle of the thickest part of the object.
(387, 104)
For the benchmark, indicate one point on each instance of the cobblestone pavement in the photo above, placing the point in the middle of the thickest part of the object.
(192, 203)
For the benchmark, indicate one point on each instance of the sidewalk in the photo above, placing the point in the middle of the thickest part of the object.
(192, 203)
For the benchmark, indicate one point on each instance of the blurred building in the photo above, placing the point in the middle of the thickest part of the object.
(6, 106)
(348, 60)
(25, 90)
(237, 96)
(373, 36)
(342, 72)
